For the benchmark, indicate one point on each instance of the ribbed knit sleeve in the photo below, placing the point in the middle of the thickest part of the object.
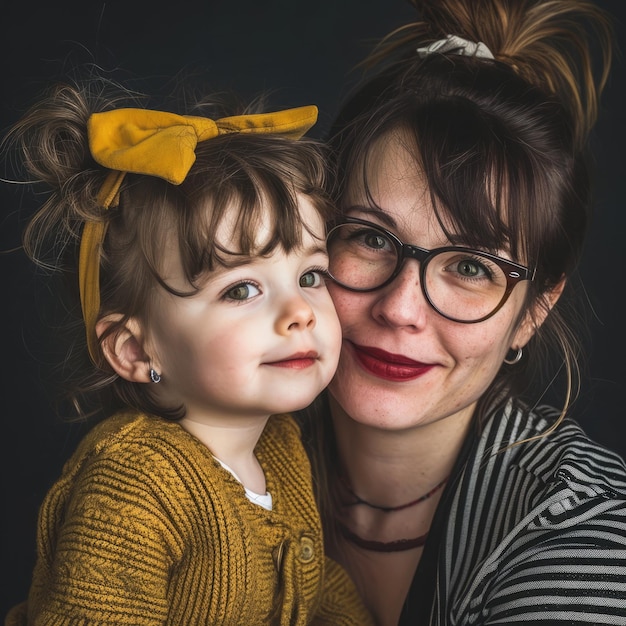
(145, 527)
(119, 523)
(341, 603)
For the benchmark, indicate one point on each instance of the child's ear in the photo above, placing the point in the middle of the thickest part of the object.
(123, 348)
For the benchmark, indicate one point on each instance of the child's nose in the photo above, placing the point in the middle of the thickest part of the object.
(297, 314)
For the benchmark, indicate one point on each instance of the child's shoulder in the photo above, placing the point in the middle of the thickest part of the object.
(141, 450)
(133, 435)
(282, 426)
(281, 444)
(129, 426)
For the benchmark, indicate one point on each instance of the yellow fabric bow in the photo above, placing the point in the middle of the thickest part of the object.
(161, 144)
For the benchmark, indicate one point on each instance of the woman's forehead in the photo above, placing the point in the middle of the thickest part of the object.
(389, 179)
(391, 185)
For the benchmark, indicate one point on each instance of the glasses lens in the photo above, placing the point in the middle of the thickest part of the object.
(361, 257)
(464, 285)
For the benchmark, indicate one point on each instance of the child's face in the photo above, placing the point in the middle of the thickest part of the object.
(256, 339)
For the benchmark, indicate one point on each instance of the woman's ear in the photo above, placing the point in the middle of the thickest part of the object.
(535, 317)
(123, 348)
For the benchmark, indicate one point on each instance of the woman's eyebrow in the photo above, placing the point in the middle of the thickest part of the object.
(379, 214)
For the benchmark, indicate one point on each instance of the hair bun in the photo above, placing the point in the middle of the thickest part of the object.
(548, 43)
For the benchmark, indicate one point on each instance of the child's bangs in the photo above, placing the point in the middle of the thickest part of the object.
(248, 188)
(241, 219)
(240, 199)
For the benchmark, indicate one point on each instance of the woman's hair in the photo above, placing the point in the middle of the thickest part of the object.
(501, 143)
(257, 176)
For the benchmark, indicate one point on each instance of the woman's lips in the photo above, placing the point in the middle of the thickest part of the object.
(389, 366)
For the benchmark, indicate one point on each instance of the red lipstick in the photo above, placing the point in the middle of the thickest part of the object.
(388, 366)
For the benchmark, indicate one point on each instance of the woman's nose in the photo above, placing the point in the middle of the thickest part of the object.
(402, 302)
(296, 314)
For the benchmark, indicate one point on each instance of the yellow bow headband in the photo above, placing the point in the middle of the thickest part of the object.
(158, 144)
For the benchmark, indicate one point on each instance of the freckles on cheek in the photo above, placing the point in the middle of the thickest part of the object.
(352, 316)
(482, 359)
(482, 354)
(478, 345)
(341, 300)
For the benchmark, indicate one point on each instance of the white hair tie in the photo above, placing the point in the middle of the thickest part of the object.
(456, 45)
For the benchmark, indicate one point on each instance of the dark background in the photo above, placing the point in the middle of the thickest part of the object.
(302, 53)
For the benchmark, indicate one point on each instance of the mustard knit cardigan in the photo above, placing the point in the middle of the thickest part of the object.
(145, 527)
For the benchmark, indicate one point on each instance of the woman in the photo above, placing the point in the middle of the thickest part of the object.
(448, 492)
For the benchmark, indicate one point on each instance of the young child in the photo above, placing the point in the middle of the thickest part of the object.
(201, 265)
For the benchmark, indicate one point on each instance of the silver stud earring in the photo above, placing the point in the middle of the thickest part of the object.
(516, 358)
(155, 377)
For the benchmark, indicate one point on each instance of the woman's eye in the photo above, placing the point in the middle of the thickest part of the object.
(375, 241)
(312, 278)
(470, 269)
(242, 291)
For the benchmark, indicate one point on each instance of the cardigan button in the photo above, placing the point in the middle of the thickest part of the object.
(307, 549)
(278, 554)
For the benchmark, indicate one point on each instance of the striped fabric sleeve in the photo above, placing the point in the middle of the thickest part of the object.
(535, 532)
(569, 576)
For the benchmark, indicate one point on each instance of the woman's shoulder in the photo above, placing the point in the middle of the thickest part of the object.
(551, 450)
(532, 471)
(548, 501)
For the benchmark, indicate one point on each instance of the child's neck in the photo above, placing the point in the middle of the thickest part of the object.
(233, 443)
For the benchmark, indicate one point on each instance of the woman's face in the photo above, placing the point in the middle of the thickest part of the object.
(402, 364)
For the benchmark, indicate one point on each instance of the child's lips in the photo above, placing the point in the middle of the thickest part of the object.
(297, 361)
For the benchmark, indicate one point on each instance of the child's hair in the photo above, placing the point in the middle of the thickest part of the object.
(257, 175)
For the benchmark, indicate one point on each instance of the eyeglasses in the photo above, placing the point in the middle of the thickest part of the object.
(463, 285)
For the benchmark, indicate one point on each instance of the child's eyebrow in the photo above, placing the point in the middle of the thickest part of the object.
(250, 260)
(316, 249)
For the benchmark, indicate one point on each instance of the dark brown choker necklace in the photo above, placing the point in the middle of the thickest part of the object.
(389, 509)
(399, 545)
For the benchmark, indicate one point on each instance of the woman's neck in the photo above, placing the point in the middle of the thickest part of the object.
(389, 469)
(391, 466)
(381, 546)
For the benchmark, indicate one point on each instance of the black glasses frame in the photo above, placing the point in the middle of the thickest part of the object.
(514, 272)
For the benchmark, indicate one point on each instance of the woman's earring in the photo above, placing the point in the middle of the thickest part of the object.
(155, 377)
(515, 359)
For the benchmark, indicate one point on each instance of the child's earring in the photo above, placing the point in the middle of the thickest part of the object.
(155, 377)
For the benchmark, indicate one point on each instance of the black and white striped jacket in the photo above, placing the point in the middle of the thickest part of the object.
(534, 533)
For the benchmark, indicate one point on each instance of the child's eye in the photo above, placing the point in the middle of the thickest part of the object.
(313, 278)
(242, 291)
